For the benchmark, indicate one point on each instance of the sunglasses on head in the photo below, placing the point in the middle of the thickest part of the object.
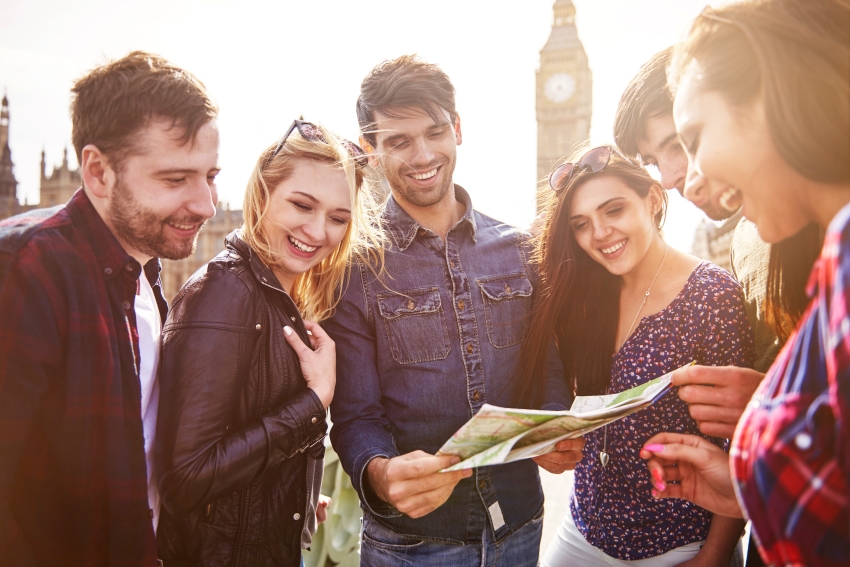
(311, 133)
(595, 160)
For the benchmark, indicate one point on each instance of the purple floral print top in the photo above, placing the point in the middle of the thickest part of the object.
(612, 506)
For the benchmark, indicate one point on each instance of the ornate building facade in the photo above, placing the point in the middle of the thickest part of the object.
(564, 92)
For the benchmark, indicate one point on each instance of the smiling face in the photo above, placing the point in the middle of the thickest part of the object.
(307, 218)
(417, 156)
(732, 151)
(612, 223)
(661, 149)
(164, 192)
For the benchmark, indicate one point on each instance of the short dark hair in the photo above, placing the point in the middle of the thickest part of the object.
(404, 83)
(647, 96)
(114, 101)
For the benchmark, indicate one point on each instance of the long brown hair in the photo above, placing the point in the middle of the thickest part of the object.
(578, 300)
(796, 55)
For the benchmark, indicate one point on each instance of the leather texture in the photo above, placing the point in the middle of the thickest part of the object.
(237, 423)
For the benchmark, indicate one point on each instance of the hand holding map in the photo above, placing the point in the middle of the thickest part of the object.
(502, 435)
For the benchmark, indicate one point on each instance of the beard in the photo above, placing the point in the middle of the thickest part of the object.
(419, 197)
(145, 230)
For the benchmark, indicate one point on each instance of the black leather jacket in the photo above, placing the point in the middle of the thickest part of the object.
(239, 433)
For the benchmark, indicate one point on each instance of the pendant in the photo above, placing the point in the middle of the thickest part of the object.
(603, 458)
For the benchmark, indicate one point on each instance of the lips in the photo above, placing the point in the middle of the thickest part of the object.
(614, 247)
(425, 175)
(298, 245)
(731, 199)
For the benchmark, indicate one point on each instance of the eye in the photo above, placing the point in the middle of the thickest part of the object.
(435, 134)
(301, 206)
(176, 180)
(399, 144)
(615, 211)
(340, 221)
(692, 146)
(211, 178)
(579, 226)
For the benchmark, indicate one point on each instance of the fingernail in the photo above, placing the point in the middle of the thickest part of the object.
(662, 485)
(287, 330)
(656, 474)
(455, 460)
(654, 493)
(655, 448)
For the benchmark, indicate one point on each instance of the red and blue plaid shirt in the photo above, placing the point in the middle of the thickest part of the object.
(791, 452)
(73, 483)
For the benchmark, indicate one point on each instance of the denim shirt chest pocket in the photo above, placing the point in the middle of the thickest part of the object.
(507, 306)
(415, 325)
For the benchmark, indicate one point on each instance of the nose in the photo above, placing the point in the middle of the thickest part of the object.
(601, 231)
(314, 229)
(422, 152)
(695, 187)
(203, 199)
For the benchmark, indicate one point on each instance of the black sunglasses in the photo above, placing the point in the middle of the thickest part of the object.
(595, 160)
(311, 133)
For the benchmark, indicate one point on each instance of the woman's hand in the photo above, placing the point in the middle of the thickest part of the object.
(700, 467)
(318, 366)
(717, 395)
(322, 508)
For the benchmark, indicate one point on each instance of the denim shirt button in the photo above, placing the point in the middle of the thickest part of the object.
(508, 288)
(469, 348)
(482, 484)
(410, 304)
(461, 305)
(476, 395)
(452, 263)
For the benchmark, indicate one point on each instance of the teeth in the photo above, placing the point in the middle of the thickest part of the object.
(183, 226)
(426, 175)
(730, 199)
(613, 248)
(301, 246)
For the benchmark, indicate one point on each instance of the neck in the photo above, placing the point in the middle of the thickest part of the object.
(100, 206)
(439, 217)
(642, 275)
(826, 201)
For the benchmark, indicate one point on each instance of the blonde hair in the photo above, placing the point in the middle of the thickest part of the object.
(316, 291)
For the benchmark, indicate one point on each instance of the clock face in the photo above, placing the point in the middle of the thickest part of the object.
(560, 87)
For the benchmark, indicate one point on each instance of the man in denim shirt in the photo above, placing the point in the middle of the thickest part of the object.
(422, 346)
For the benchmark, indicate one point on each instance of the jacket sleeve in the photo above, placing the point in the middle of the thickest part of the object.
(360, 431)
(207, 350)
(30, 356)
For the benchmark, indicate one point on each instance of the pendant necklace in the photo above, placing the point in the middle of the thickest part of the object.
(604, 457)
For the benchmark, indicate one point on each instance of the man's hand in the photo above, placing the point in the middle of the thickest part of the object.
(412, 482)
(717, 395)
(322, 508)
(564, 458)
(700, 467)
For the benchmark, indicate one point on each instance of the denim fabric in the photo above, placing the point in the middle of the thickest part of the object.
(421, 349)
(382, 547)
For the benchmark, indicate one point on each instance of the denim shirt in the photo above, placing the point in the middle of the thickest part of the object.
(421, 349)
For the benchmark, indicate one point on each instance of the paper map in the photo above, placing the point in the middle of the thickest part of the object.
(502, 435)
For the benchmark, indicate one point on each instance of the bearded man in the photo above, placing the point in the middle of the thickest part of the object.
(82, 311)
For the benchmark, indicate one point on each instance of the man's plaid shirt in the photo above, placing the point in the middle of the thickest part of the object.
(791, 453)
(73, 485)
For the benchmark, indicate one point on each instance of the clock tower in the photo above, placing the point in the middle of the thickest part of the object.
(564, 90)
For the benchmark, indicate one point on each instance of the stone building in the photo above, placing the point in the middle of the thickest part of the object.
(564, 92)
(9, 204)
(60, 185)
(713, 242)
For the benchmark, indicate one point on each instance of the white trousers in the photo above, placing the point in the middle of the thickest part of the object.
(569, 548)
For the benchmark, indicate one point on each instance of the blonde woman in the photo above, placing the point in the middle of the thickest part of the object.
(245, 380)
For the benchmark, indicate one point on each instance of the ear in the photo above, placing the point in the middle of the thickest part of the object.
(656, 198)
(371, 156)
(458, 134)
(98, 175)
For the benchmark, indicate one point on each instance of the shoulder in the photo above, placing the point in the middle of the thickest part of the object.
(708, 277)
(223, 290)
(38, 227)
(489, 227)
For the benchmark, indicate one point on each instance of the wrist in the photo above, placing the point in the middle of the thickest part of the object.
(376, 473)
(325, 395)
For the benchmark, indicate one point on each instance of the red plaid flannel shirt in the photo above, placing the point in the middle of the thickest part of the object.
(73, 485)
(791, 453)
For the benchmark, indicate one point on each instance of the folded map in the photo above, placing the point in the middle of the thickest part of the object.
(502, 435)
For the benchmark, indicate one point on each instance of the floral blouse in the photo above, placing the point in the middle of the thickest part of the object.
(612, 506)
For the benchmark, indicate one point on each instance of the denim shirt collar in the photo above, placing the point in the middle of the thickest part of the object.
(404, 229)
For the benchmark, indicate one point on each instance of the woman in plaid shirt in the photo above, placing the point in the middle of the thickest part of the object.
(763, 108)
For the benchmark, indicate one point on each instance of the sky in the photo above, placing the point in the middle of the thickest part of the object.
(267, 62)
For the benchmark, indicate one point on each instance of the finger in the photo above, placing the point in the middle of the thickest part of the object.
(559, 458)
(296, 343)
(576, 444)
(679, 453)
(717, 429)
(723, 414)
(667, 437)
(419, 465)
(319, 336)
(666, 469)
(424, 503)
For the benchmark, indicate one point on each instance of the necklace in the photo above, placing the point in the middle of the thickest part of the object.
(604, 457)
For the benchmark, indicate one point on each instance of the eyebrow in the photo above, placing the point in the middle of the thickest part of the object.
(666, 141)
(177, 170)
(601, 206)
(311, 198)
(435, 126)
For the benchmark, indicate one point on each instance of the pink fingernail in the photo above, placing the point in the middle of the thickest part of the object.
(656, 474)
(662, 486)
(654, 448)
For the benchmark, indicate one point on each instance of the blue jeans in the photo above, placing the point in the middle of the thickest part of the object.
(382, 547)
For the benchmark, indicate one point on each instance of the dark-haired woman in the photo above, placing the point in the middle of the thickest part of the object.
(626, 308)
(763, 107)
